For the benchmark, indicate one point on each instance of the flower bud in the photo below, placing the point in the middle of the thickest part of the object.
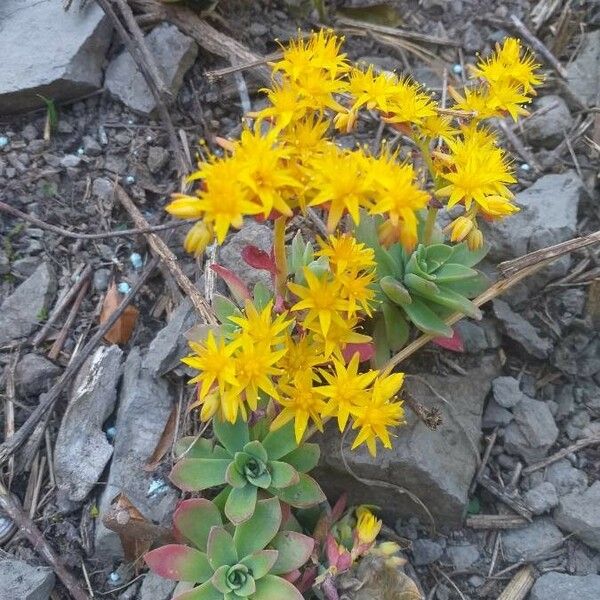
(461, 227)
(198, 237)
(475, 239)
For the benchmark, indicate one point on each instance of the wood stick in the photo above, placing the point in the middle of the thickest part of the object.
(578, 445)
(539, 47)
(519, 585)
(169, 259)
(64, 332)
(37, 540)
(81, 283)
(495, 521)
(484, 460)
(47, 401)
(512, 501)
(510, 267)
(15, 212)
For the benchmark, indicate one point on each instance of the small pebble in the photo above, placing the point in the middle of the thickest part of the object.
(4, 141)
(525, 167)
(129, 121)
(114, 577)
(136, 260)
(130, 179)
(111, 432)
(156, 487)
(80, 151)
(124, 287)
(457, 69)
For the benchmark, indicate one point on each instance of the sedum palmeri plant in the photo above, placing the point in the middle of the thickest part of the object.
(283, 360)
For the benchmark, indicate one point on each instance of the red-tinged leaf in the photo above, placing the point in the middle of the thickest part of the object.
(236, 286)
(339, 507)
(308, 578)
(194, 518)
(259, 259)
(294, 550)
(293, 576)
(332, 550)
(366, 351)
(180, 563)
(344, 562)
(454, 343)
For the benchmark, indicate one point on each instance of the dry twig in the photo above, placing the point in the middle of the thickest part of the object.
(562, 453)
(495, 521)
(513, 501)
(519, 585)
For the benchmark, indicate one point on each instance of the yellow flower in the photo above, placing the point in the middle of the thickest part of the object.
(460, 228)
(338, 179)
(301, 355)
(183, 206)
(346, 254)
(371, 90)
(373, 417)
(213, 360)
(300, 402)
(341, 333)
(475, 239)
(410, 104)
(358, 291)
(260, 327)
(285, 108)
(321, 298)
(198, 238)
(368, 526)
(346, 388)
(438, 126)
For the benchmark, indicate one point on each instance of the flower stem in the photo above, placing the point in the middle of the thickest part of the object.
(429, 225)
(280, 257)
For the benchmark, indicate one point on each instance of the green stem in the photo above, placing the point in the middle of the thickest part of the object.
(429, 225)
(280, 256)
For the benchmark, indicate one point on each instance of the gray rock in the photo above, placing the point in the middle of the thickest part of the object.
(103, 188)
(30, 132)
(582, 562)
(435, 466)
(155, 587)
(463, 556)
(495, 416)
(91, 146)
(549, 123)
(583, 75)
(542, 498)
(565, 478)
(173, 52)
(425, 552)
(507, 392)
(521, 331)
(62, 58)
(35, 374)
(533, 431)
(528, 542)
(70, 161)
(230, 255)
(169, 346)
(82, 450)
(472, 335)
(26, 266)
(548, 216)
(560, 586)
(579, 513)
(22, 311)
(19, 580)
(566, 401)
(157, 158)
(578, 354)
(101, 279)
(144, 407)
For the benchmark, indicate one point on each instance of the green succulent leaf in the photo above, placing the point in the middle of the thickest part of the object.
(194, 518)
(247, 589)
(256, 449)
(221, 499)
(283, 474)
(461, 254)
(469, 287)
(305, 493)
(304, 458)
(396, 327)
(294, 550)
(382, 346)
(280, 442)
(395, 291)
(439, 253)
(452, 300)
(271, 587)
(224, 308)
(221, 549)
(419, 285)
(414, 266)
(233, 477)
(199, 447)
(233, 436)
(426, 320)
(454, 272)
(206, 591)
(241, 503)
(262, 481)
(179, 562)
(197, 474)
(261, 562)
(219, 579)
(262, 296)
(255, 533)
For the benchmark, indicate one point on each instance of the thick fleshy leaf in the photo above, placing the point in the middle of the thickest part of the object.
(206, 591)
(454, 301)
(294, 550)
(220, 548)
(262, 295)
(194, 519)
(221, 498)
(261, 562)
(396, 327)
(262, 481)
(224, 308)
(420, 285)
(236, 286)
(469, 287)
(234, 436)
(198, 447)
(197, 474)
(283, 474)
(280, 442)
(304, 458)
(271, 587)
(247, 589)
(461, 254)
(256, 449)
(439, 253)
(426, 320)
(302, 495)
(454, 272)
(365, 350)
(179, 562)
(219, 579)
(382, 347)
(455, 343)
(255, 533)
(233, 477)
(258, 259)
(240, 504)
(395, 290)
